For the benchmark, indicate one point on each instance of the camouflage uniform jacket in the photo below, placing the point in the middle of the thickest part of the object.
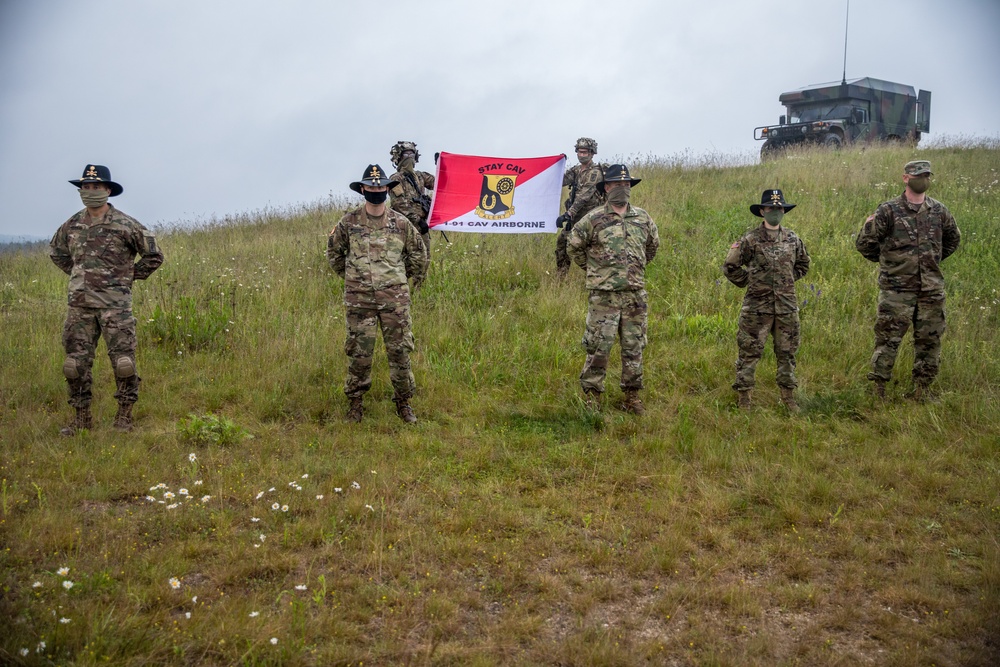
(614, 250)
(582, 183)
(405, 197)
(909, 243)
(99, 257)
(772, 265)
(373, 256)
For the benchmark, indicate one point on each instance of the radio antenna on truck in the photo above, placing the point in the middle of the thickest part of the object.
(847, 20)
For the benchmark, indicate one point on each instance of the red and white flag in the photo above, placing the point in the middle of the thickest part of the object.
(496, 194)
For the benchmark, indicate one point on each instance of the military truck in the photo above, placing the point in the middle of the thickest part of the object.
(861, 110)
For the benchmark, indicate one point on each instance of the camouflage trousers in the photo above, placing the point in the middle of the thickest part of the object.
(896, 311)
(750, 338)
(426, 238)
(394, 321)
(608, 314)
(563, 261)
(83, 328)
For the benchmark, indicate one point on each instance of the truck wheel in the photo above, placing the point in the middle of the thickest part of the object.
(832, 141)
(770, 150)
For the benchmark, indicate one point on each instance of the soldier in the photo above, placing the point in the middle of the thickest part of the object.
(97, 249)
(767, 260)
(582, 180)
(376, 250)
(409, 195)
(909, 237)
(613, 244)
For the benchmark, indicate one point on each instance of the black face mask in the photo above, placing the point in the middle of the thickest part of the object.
(375, 198)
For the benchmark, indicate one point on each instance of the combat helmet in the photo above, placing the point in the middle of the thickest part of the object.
(586, 142)
(396, 152)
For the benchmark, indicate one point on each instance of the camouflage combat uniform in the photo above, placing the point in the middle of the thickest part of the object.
(909, 242)
(614, 251)
(99, 257)
(583, 197)
(375, 257)
(405, 198)
(767, 263)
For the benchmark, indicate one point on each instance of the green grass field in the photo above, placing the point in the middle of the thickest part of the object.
(511, 526)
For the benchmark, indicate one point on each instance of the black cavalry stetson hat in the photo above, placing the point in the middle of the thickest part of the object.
(374, 176)
(772, 198)
(98, 173)
(617, 173)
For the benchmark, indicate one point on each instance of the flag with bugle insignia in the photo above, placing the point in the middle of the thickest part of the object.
(497, 195)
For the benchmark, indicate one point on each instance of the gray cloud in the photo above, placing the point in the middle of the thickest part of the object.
(205, 109)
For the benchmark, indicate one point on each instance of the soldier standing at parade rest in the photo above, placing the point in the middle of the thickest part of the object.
(376, 250)
(767, 260)
(909, 237)
(613, 244)
(409, 195)
(582, 180)
(97, 248)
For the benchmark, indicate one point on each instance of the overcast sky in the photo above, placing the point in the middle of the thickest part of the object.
(205, 109)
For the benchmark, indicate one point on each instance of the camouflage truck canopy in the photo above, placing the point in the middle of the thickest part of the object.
(833, 114)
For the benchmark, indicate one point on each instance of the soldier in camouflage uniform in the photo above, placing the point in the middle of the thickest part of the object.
(909, 237)
(582, 180)
(613, 244)
(376, 250)
(409, 195)
(767, 260)
(97, 249)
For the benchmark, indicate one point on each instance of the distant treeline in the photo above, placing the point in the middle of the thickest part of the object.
(15, 244)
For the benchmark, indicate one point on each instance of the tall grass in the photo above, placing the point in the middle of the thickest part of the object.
(511, 525)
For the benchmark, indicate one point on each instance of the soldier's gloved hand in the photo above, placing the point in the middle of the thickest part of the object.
(562, 220)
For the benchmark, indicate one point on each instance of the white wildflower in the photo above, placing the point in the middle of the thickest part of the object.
(355, 485)
(67, 584)
(63, 571)
(192, 458)
(175, 583)
(254, 614)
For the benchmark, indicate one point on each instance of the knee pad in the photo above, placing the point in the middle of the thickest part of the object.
(71, 371)
(124, 367)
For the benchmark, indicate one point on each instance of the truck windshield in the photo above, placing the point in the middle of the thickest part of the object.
(821, 112)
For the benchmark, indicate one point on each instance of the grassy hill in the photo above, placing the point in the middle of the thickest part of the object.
(510, 526)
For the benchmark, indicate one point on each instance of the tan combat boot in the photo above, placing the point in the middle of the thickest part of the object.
(879, 389)
(356, 409)
(744, 399)
(788, 398)
(592, 400)
(82, 420)
(123, 420)
(632, 403)
(922, 393)
(404, 411)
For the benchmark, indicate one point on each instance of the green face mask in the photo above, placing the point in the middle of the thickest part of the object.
(94, 198)
(773, 218)
(619, 196)
(406, 164)
(919, 184)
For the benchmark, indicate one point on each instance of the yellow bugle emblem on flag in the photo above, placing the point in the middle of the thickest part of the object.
(496, 198)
